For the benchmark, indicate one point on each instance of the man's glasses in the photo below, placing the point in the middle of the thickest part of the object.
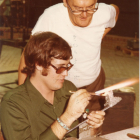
(62, 69)
(78, 12)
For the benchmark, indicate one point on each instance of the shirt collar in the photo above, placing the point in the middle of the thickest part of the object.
(38, 100)
(35, 96)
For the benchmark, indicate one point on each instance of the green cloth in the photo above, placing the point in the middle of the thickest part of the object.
(25, 114)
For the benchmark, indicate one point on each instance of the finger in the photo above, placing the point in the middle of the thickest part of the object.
(94, 124)
(100, 112)
(81, 104)
(78, 92)
(92, 93)
(97, 114)
(85, 95)
(96, 120)
(84, 101)
(84, 98)
(92, 116)
(84, 92)
(85, 104)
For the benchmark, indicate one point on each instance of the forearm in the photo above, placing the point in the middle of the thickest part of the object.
(106, 31)
(56, 127)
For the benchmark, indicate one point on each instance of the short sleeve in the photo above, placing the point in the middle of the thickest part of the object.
(112, 14)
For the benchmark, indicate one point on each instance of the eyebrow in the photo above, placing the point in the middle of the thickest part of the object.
(82, 7)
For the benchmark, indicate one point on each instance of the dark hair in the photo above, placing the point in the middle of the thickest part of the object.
(41, 48)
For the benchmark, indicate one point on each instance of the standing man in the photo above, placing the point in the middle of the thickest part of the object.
(43, 108)
(83, 24)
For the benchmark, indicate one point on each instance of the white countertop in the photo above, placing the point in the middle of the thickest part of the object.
(122, 135)
(119, 135)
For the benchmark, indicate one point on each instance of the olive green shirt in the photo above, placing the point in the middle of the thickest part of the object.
(26, 115)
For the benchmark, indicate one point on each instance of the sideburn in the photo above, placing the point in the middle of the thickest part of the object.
(44, 72)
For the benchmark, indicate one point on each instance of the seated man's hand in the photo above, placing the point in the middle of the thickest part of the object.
(96, 118)
(77, 104)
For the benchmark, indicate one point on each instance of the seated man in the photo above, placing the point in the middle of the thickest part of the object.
(43, 108)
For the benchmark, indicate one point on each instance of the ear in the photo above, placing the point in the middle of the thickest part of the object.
(65, 3)
(39, 68)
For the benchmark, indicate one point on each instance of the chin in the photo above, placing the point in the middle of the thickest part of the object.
(58, 86)
(83, 24)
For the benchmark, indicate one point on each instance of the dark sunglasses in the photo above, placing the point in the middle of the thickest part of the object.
(62, 69)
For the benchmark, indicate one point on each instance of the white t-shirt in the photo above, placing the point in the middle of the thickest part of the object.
(85, 41)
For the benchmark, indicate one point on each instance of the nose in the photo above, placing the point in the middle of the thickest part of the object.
(84, 14)
(65, 73)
